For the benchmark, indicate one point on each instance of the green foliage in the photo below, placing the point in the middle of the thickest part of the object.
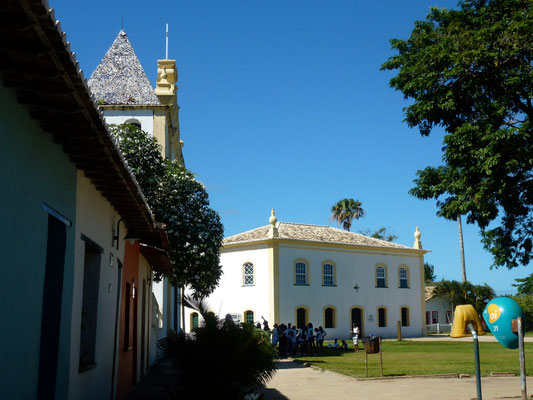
(345, 211)
(220, 359)
(429, 273)
(524, 285)
(382, 234)
(465, 293)
(470, 71)
(525, 301)
(181, 202)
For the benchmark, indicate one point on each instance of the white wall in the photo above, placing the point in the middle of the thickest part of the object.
(95, 219)
(353, 267)
(232, 296)
(441, 306)
(145, 118)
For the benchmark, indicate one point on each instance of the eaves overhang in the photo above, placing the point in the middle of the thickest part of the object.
(36, 61)
(158, 259)
(323, 245)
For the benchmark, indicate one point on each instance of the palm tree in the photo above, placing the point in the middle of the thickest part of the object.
(465, 293)
(344, 211)
(462, 247)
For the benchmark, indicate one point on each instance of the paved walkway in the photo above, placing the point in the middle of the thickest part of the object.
(294, 381)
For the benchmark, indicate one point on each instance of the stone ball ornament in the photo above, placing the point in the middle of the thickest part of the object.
(499, 314)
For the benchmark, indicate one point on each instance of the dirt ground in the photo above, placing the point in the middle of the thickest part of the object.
(296, 382)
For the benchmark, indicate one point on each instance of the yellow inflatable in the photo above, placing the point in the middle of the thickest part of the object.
(463, 315)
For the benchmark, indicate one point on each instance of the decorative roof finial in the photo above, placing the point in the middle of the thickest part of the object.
(272, 218)
(418, 243)
(273, 231)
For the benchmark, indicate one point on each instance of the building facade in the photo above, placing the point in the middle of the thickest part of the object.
(297, 273)
(66, 192)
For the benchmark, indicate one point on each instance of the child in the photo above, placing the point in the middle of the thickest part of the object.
(344, 345)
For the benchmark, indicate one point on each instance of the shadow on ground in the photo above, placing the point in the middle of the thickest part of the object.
(272, 394)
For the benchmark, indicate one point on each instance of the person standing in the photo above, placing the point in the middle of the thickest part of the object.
(310, 338)
(320, 335)
(355, 337)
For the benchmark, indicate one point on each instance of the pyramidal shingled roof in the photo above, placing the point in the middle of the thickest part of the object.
(120, 79)
(311, 233)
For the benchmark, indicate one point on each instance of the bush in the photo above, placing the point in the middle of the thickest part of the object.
(220, 359)
(526, 303)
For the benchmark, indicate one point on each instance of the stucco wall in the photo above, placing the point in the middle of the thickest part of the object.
(145, 117)
(95, 219)
(232, 296)
(441, 306)
(33, 170)
(353, 267)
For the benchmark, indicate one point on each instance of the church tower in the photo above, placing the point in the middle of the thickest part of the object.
(125, 95)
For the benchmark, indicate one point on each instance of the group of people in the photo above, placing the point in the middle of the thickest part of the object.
(309, 340)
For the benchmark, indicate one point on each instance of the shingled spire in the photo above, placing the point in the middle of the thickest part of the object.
(120, 79)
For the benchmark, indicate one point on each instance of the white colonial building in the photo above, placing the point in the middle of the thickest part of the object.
(297, 273)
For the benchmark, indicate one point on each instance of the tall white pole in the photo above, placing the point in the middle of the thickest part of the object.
(522, 356)
(166, 50)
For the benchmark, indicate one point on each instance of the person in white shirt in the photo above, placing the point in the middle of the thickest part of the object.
(320, 335)
(355, 337)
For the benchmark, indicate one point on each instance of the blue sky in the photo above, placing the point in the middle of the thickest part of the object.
(283, 106)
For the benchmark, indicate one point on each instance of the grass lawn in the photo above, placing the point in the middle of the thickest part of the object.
(423, 358)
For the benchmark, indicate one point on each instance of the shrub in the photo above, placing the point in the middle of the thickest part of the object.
(220, 359)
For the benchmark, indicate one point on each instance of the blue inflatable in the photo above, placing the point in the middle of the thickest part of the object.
(498, 315)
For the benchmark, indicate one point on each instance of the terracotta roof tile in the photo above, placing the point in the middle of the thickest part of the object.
(311, 233)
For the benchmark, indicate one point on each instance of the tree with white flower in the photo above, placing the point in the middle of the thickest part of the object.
(181, 202)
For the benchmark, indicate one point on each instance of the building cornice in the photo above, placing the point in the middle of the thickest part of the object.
(322, 245)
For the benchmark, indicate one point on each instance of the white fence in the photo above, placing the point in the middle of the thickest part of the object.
(438, 328)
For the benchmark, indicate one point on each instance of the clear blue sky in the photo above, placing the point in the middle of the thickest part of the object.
(283, 105)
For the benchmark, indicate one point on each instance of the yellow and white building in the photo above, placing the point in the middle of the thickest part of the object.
(297, 273)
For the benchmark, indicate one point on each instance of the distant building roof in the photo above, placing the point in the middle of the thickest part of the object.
(428, 292)
(311, 233)
(120, 79)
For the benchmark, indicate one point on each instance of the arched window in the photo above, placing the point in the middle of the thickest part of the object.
(248, 274)
(300, 273)
(382, 317)
(301, 317)
(329, 317)
(404, 311)
(403, 277)
(194, 320)
(328, 274)
(381, 276)
(249, 317)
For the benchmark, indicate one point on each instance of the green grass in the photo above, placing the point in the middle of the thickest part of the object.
(423, 358)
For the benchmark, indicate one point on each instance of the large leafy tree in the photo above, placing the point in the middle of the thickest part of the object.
(470, 71)
(345, 211)
(465, 293)
(181, 202)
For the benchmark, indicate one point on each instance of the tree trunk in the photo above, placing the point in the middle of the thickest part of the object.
(463, 267)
